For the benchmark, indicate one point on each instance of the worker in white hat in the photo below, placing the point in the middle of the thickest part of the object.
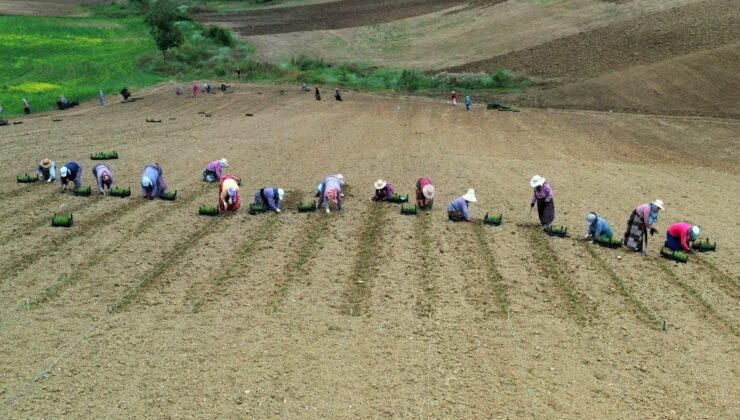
(270, 197)
(641, 221)
(214, 170)
(425, 193)
(70, 171)
(47, 170)
(383, 191)
(459, 209)
(152, 181)
(680, 236)
(545, 200)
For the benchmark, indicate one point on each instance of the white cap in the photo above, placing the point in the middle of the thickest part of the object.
(281, 193)
(380, 184)
(340, 177)
(224, 162)
(64, 171)
(428, 191)
(536, 181)
(695, 231)
(659, 204)
(146, 181)
(470, 196)
(591, 217)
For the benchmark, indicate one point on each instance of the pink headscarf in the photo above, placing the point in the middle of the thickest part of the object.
(332, 194)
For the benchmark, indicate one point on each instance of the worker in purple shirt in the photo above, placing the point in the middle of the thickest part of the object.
(214, 170)
(383, 191)
(270, 197)
(330, 191)
(104, 177)
(459, 209)
(71, 171)
(543, 197)
(152, 181)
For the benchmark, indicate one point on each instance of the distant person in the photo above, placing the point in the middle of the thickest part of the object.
(47, 170)
(26, 106)
(468, 102)
(228, 194)
(214, 170)
(196, 89)
(223, 87)
(597, 227)
(455, 97)
(152, 181)
(238, 73)
(318, 94)
(71, 171)
(424, 193)
(270, 197)
(459, 209)
(337, 96)
(207, 87)
(126, 94)
(383, 191)
(544, 198)
(178, 91)
(304, 86)
(101, 98)
(330, 191)
(103, 176)
(681, 235)
(642, 220)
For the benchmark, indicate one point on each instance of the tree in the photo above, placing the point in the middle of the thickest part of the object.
(161, 20)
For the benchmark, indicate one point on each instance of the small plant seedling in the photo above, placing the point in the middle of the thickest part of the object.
(104, 155)
(559, 231)
(169, 196)
(306, 207)
(399, 198)
(255, 208)
(409, 209)
(82, 191)
(205, 210)
(609, 241)
(120, 192)
(493, 219)
(26, 178)
(678, 256)
(704, 246)
(62, 220)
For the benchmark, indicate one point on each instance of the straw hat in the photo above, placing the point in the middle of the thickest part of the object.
(695, 231)
(64, 171)
(224, 162)
(281, 194)
(146, 181)
(380, 184)
(659, 204)
(537, 181)
(470, 196)
(46, 163)
(428, 191)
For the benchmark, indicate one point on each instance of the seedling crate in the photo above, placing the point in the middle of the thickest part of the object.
(82, 191)
(62, 220)
(120, 192)
(255, 208)
(409, 209)
(399, 198)
(493, 219)
(26, 178)
(704, 246)
(678, 256)
(609, 241)
(169, 196)
(208, 210)
(306, 207)
(559, 231)
(104, 155)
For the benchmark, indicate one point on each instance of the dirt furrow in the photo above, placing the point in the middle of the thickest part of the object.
(371, 236)
(493, 274)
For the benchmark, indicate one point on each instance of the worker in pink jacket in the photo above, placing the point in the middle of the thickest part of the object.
(680, 236)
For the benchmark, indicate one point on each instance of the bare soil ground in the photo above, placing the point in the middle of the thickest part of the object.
(44, 7)
(144, 309)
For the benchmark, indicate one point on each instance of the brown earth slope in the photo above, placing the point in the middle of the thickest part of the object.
(44, 7)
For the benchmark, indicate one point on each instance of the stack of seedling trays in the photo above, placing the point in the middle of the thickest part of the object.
(82, 191)
(493, 219)
(104, 155)
(679, 256)
(609, 241)
(559, 231)
(169, 196)
(26, 178)
(399, 198)
(409, 209)
(62, 220)
(255, 208)
(704, 246)
(205, 210)
(307, 207)
(120, 192)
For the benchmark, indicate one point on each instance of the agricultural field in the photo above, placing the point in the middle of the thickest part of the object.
(145, 309)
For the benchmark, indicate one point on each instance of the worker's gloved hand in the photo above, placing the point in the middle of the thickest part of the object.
(653, 231)
(277, 210)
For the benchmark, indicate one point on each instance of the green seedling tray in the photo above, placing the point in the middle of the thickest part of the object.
(493, 219)
(62, 220)
(559, 231)
(678, 256)
(120, 192)
(169, 196)
(704, 246)
(609, 242)
(255, 208)
(399, 198)
(208, 210)
(83, 191)
(306, 207)
(409, 209)
(26, 178)
(104, 155)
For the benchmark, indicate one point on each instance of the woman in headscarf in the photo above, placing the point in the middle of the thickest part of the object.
(459, 209)
(383, 191)
(680, 236)
(104, 177)
(424, 193)
(152, 181)
(544, 199)
(228, 194)
(47, 169)
(71, 171)
(330, 191)
(642, 220)
(270, 197)
(597, 227)
(214, 170)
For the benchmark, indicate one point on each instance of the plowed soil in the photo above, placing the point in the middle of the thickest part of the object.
(145, 309)
(44, 7)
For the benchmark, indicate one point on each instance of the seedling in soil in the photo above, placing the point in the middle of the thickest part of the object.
(559, 231)
(609, 241)
(152, 120)
(120, 192)
(493, 273)
(306, 207)
(399, 198)
(208, 210)
(493, 219)
(255, 208)
(670, 254)
(26, 178)
(704, 246)
(409, 209)
(169, 196)
(82, 191)
(62, 220)
(104, 155)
